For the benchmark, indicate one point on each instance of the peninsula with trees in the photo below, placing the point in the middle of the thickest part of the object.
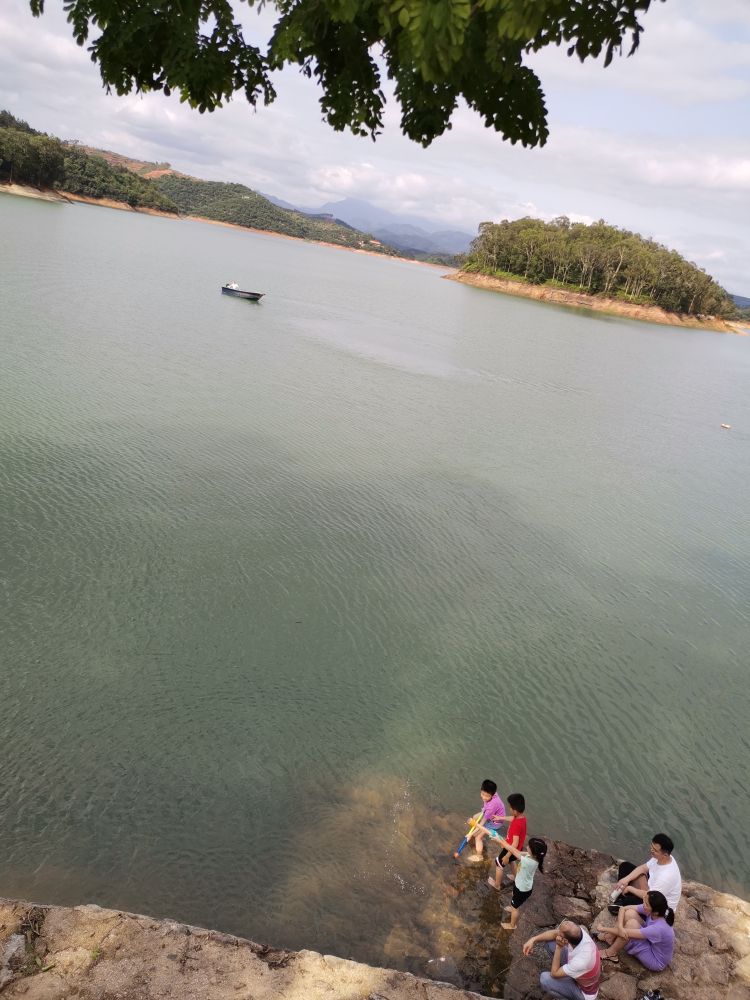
(599, 267)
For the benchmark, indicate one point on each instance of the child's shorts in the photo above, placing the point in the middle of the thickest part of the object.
(519, 898)
(504, 858)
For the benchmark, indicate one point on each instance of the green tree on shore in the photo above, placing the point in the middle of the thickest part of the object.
(599, 260)
(42, 161)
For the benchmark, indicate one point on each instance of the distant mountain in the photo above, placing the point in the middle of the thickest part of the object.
(242, 206)
(407, 232)
(363, 215)
(279, 202)
(408, 237)
(741, 300)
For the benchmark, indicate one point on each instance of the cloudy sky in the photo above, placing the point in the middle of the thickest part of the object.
(658, 143)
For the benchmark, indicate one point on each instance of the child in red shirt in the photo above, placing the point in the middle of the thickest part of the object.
(516, 837)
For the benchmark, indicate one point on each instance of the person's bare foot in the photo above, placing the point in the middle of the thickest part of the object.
(491, 883)
(507, 927)
(476, 857)
(508, 908)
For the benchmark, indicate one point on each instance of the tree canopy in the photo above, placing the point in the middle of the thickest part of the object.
(435, 52)
(598, 259)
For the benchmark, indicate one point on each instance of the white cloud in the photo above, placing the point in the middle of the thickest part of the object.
(678, 61)
(727, 174)
(631, 144)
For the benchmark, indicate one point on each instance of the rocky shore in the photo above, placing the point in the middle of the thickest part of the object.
(53, 952)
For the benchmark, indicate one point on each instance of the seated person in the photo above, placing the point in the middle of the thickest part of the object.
(659, 873)
(576, 963)
(645, 932)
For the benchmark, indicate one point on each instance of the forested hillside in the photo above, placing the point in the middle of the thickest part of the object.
(245, 207)
(42, 161)
(598, 260)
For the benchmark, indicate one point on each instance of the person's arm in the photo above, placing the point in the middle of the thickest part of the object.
(528, 946)
(493, 834)
(633, 934)
(510, 847)
(619, 929)
(636, 873)
(556, 970)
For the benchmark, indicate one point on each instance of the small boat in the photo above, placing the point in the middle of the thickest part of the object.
(232, 288)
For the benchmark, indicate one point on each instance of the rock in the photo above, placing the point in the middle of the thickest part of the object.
(742, 970)
(14, 952)
(95, 953)
(572, 907)
(618, 987)
(444, 969)
(713, 969)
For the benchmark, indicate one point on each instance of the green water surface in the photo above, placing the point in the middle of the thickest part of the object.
(282, 583)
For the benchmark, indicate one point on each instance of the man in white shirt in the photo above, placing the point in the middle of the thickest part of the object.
(576, 962)
(660, 873)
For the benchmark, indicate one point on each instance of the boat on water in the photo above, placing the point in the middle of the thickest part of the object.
(232, 288)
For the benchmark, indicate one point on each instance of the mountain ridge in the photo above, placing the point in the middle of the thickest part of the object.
(405, 231)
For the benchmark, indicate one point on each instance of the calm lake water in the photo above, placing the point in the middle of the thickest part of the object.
(282, 583)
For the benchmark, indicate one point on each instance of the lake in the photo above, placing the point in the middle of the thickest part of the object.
(282, 583)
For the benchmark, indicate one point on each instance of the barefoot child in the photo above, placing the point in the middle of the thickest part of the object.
(529, 861)
(490, 817)
(516, 838)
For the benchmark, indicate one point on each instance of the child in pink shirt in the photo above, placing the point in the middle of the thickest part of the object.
(491, 816)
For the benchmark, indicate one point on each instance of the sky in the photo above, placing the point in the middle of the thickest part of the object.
(658, 143)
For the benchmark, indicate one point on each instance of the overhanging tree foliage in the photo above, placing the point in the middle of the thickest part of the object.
(434, 51)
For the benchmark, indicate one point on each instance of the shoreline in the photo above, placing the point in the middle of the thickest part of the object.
(611, 307)
(319, 243)
(53, 952)
(65, 197)
(519, 289)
